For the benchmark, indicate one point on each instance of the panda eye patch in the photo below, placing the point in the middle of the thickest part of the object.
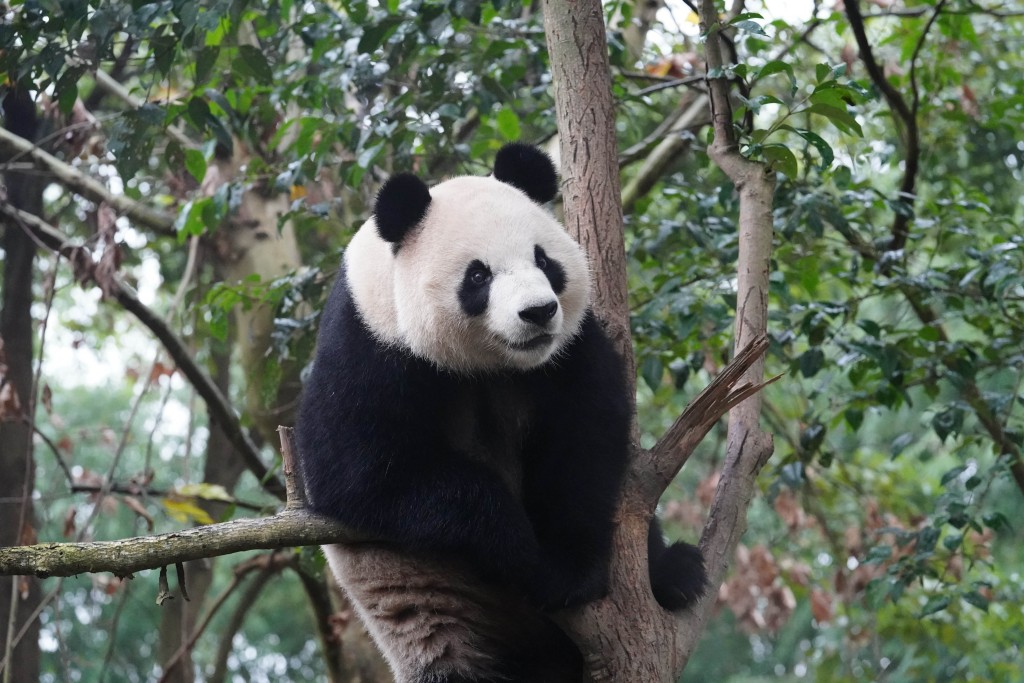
(541, 258)
(552, 269)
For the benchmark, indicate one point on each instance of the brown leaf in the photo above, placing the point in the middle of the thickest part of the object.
(160, 370)
(28, 534)
(969, 101)
(10, 406)
(789, 511)
(69, 522)
(821, 606)
(47, 399)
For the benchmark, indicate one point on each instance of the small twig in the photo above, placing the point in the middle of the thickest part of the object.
(295, 498)
(64, 467)
(269, 565)
(133, 489)
(109, 654)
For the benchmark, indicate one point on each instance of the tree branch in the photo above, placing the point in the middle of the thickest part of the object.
(293, 526)
(82, 184)
(905, 117)
(286, 529)
(748, 447)
(731, 387)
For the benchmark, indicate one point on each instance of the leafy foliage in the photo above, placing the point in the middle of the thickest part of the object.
(885, 542)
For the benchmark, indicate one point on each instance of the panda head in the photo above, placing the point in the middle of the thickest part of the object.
(472, 274)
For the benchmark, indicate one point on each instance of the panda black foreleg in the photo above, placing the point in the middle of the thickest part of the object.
(678, 576)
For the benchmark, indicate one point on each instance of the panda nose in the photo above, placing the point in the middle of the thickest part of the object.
(539, 315)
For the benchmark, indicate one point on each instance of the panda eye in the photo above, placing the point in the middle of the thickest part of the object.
(478, 274)
(540, 258)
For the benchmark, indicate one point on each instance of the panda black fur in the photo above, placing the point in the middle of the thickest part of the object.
(467, 411)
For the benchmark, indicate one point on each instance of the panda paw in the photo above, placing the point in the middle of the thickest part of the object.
(678, 577)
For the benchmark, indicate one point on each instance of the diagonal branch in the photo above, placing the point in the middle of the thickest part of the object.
(218, 406)
(82, 184)
(730, 388)
(905, 114)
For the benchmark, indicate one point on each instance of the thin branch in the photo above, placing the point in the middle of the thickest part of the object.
(671, 146)
(267, 565)
(748, 447)
(217, 405)
(108, 84)
(904, 115)
(82, 184)
(970, 392)
(130, 489)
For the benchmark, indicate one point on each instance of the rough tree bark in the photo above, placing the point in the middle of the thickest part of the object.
(20, 595)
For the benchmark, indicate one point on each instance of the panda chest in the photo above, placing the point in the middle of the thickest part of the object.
(489, 423)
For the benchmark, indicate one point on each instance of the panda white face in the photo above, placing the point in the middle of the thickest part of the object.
(485, 280)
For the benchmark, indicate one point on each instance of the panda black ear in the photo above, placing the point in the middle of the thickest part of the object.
(529, 169)
(401, 203)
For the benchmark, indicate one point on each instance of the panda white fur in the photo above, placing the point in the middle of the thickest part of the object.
(466, 411)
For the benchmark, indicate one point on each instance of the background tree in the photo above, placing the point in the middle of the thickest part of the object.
(181, 136)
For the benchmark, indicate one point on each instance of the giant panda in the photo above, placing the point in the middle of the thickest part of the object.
(467, 413)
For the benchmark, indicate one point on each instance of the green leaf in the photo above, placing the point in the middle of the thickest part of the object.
(205, 59)
(840, 118)
(936, 603)
(952, 474)
(812, 437)
(750, 27)
(976, 599)
(652, 371)
(900, 443)
(252, 62)
(774, 67)
(822, 72)
(816, 141)
(508, 124)
(811, 362)
(948, 422)
(781, 158)
(195, 164)
(375, 34)
(878, 554)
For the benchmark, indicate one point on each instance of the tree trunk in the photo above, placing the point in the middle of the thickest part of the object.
(222, 467)
(17, 470)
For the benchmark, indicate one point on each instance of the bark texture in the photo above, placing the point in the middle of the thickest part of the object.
(19, 596)
(626, 635)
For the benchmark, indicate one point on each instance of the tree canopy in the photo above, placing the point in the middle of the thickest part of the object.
(181, 178)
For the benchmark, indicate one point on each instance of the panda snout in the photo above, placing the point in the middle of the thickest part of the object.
(539, 315)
